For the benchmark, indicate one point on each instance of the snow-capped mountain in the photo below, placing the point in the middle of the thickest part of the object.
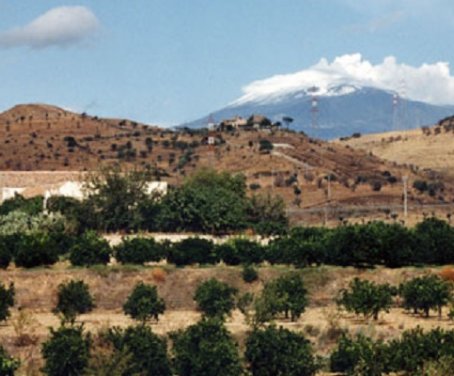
(350, 95)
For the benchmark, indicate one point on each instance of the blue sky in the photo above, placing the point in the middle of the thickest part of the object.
(171, 61)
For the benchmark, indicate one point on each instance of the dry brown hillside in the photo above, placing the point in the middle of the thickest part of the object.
(308, 173)
(430, 148)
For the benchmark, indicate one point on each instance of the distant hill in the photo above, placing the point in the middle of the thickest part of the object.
(429, 148)
(306, 172)
(342, 110)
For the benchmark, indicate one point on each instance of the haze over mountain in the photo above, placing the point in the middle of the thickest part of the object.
(353, 95)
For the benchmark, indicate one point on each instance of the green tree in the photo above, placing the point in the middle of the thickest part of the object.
(115, 196)
(8, 365)
(90, 249)
(279, 352)
(416, 347)
(287, 120)
(207, 201)
(144, 303)
(6, 300)
(425, 293)
(285, 294)
(355, 245)
(367, 298)
(66, 352)
(359, 356)
(267, 215)
(73, 298)
(205, 349)
(148, 352)
(434, 240)
(215, 298)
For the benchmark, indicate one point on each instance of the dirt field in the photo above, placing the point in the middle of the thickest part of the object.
(322, 322)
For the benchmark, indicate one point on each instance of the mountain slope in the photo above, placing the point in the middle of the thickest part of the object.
(354, 95)
(363, 110)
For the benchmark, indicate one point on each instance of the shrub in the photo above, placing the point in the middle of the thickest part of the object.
(36, 250)
(139, 251)
(90, 249)
(249, 274)
(240, 251)
(248, 251)
(5, 253)
(265, 146)
(192, 251)
(205, 349)
(66, 352)
(274, 352)
(447, 274)
(376, 186)
(158, 275)
(420, 185)
(8, 365)
(30, 206)
(367, 298)
(6, 300)
(215, 298)
(147, 352)
(228, 253)
(73, 298)
(425, 293)
(144, 303)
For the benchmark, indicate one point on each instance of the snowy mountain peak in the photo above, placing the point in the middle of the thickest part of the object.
(430, 83)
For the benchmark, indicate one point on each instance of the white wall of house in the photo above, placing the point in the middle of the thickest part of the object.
(10, 192)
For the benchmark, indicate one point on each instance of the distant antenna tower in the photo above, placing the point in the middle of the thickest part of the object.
(314, 112)
(396, 119)
(403, 103)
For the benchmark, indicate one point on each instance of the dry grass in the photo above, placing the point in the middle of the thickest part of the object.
(410, 147)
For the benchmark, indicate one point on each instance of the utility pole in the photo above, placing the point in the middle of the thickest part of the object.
(328, 196)
(405, 181)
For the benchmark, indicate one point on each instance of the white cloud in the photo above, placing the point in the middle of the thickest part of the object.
(61, 26)
(431, 83)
